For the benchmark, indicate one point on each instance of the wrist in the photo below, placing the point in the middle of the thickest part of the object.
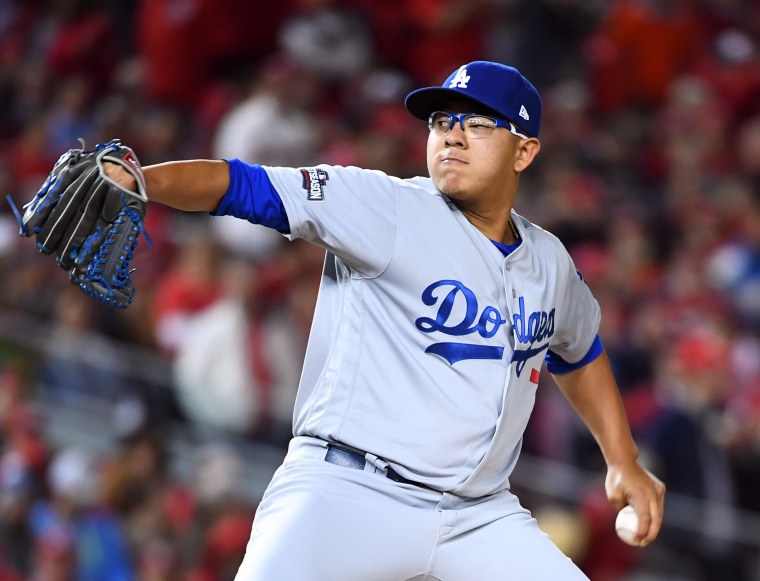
(627, 456)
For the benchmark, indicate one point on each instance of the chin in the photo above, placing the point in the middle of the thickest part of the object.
(454, 191)
(449, 188)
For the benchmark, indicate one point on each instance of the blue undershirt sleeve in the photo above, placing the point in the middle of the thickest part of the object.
(251, 196)
(556, 365)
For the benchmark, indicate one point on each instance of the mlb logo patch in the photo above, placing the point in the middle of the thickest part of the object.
(314, 180)
(535, 375)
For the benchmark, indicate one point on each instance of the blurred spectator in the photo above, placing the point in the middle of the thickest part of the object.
(225, 515)
(185, 43)
(31, 160)
(688, 440)
(692, 127)
(224, 547)
(190, 283)
(73, 531)
(574, 202)
(443, 34)
(607, 559)
(156, 511)
(162, 130)
(388, 142)
(23, 460)
(217, 385)
(324, 38)
(75, 365)
(733, 268)
(17, 22)
(388, 29)
(241, 238)
(273, 124)
(640, 47)
(731, 67)
(235, 367)
(564, 25)
(80, 42)
(69, 118)
(157, 561)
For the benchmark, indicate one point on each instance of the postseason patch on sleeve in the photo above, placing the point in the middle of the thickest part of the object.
(314, 180)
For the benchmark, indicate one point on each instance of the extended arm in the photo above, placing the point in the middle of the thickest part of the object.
(193, 186)
(594, 394)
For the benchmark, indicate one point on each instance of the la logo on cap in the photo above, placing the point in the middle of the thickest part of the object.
(524, 113)
(461, 79)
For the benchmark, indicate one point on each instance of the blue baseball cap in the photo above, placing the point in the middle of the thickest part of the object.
(499, 88)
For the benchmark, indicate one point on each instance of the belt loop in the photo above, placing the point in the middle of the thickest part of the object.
(378, 463)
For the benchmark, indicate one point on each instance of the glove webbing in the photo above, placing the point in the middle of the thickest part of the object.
(118, 248)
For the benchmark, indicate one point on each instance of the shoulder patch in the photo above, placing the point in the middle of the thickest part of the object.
(314, 180)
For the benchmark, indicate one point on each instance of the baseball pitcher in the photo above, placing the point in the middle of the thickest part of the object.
(437, 308)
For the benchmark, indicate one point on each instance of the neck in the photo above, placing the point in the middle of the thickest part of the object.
(497, 226)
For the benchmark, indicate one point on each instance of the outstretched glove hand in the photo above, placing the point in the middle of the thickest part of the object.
(88, 221)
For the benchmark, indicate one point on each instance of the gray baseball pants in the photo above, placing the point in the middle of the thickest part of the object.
(319, 521)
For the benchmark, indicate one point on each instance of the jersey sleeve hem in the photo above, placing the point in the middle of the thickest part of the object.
(251, 196)
(558, 366)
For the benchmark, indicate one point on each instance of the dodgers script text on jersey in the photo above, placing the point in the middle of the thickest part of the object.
(528, 329)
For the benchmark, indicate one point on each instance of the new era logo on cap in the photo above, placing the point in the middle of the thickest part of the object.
(496, 88)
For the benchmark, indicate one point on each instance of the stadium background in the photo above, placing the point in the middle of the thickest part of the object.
(135, 444)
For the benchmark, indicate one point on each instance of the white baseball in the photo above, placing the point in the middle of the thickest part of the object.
(626, 525)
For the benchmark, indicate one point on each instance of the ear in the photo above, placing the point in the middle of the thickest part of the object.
(526, 152)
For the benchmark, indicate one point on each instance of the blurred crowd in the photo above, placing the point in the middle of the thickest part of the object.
(649, 173)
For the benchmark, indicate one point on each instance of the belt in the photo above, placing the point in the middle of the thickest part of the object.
(352, 458)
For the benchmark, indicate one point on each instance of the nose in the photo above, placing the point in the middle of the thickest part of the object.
(455, 136)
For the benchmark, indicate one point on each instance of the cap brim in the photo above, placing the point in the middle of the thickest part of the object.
(422, 102)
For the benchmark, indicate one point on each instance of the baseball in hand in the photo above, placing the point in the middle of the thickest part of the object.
(626, 525)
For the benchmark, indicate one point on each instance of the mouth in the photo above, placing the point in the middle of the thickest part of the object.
(453, 160)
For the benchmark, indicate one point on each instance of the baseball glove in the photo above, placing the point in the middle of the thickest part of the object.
(89, 222)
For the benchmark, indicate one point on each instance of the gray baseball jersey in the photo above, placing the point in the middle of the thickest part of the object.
(425, 351)
(427, 343)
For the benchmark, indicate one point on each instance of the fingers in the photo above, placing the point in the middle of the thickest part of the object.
(51, 232)
(120, 175)
(81, 226)
(656, 512)
(645, 521)
(649, 505)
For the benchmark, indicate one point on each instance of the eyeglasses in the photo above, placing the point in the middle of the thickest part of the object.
(474, 125)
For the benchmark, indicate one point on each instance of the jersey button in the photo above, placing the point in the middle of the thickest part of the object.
(508, 266)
